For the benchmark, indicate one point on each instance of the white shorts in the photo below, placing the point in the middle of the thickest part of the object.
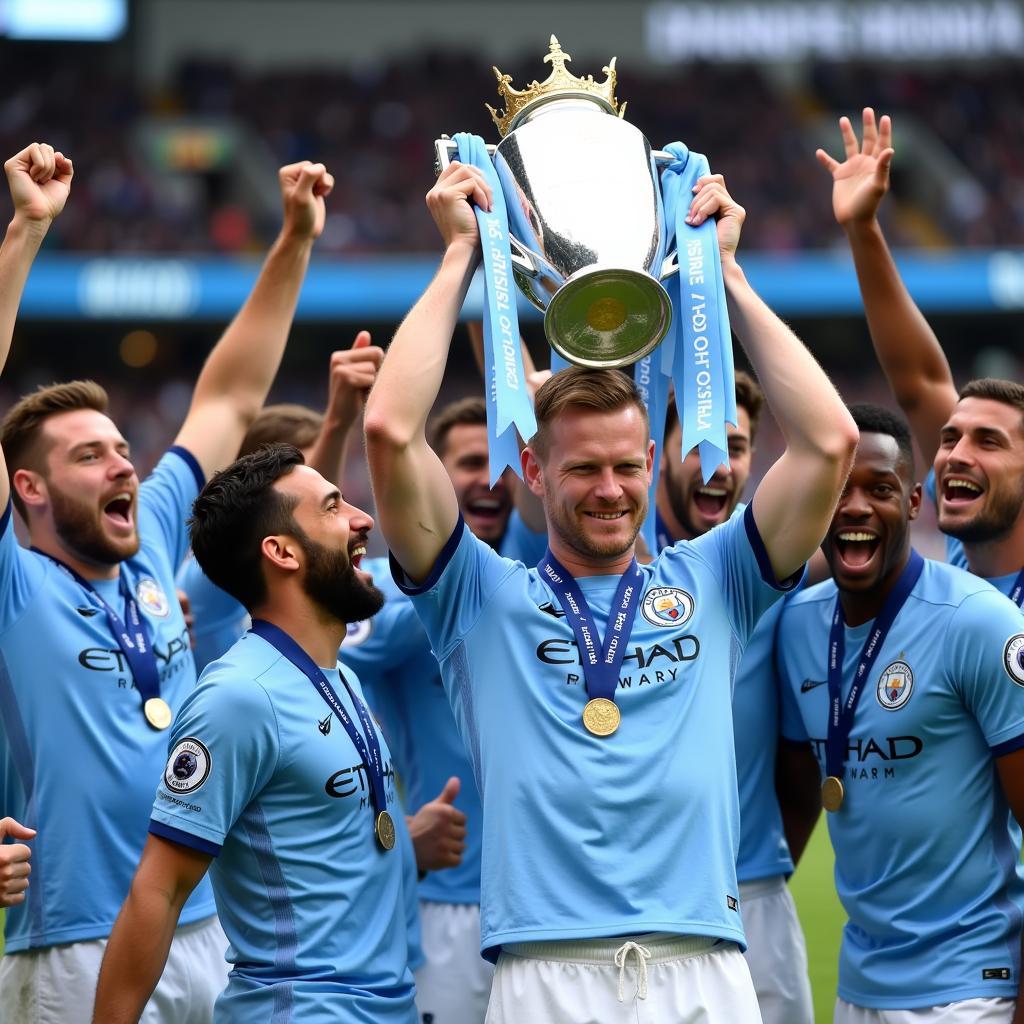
(658, 979)
(964, 1011)
(776, 953)
(454, 984)
(57, 984)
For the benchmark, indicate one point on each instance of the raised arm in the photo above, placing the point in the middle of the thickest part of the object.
(138, 946)
(907, 349)
(39, 180)
(416, 504)
(794, 502)
(353, 372)
(238, 373)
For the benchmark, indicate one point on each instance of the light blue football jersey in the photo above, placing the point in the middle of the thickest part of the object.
(926, 848)
(262, 775)
(77, 758)
(763, 851)
(402, 679)
(218, 619)
(584, 836)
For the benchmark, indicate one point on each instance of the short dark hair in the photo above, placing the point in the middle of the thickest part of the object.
(470, 411)
(22, 426)
(580, 388)
(876, 419)
(749, 396)
(1006, 391)
(236, 509)
(286, 422)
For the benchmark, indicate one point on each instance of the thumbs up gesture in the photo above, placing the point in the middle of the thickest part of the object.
(14, 862)
(438, 830)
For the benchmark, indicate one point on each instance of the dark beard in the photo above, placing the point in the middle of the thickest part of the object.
(332, 583)
(992, 523)
(79, 530)
(677, 502)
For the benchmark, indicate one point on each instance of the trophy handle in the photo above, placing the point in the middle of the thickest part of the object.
(522, 259)
(670, 265)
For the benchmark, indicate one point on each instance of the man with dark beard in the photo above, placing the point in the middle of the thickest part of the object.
(974, 436)
(278, 776)
(775, 823)
(904, 677)
(95, 654)
(593, 694)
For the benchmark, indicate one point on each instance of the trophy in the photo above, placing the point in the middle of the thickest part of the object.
(585, 214)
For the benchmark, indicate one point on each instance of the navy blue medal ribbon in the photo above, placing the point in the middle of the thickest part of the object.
(601, 659)
(1017, 590)
(840, 719)
(368, 748)
(131, 638)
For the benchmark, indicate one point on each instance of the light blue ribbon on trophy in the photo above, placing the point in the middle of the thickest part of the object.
(508, 403)
(653, 385)
(700, 353)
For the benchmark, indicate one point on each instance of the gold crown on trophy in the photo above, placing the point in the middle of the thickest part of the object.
(559, 84)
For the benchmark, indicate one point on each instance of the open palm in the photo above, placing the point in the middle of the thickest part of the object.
(862, 179)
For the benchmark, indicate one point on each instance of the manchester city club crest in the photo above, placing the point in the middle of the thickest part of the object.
(667, 606)
(895, 685)
(188, 767)
(1013, 658)
(151, 598)
(357, 633)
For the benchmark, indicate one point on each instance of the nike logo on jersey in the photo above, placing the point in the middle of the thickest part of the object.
(325, 725)
(549, 609)
(809, 684)
(86, 611)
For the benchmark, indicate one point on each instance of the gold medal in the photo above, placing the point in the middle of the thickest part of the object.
(157, 712)
(384, 827)
(832, 793)
(601, 716)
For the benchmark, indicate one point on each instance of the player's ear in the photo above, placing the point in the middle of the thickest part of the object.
(532, 471)
(914, 502)
(281, 551)
(30, 487)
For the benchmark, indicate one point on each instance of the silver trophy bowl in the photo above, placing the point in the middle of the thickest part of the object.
(586, 220)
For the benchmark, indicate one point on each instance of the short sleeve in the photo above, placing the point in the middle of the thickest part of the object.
(450, 600)
(165, 502)
(987, 663)
(21, 574)
(215, 768)
(739, 561)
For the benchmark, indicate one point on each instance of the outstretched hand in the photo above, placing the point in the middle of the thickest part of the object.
(304, 187)
(862, 179)
(711, 199)
(40, 181)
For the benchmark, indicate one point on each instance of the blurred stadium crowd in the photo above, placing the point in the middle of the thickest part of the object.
(375, 127)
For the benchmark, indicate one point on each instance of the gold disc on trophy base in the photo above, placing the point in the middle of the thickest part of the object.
(607, 314)
(601, 716)
(157, 712)
(384, 828)
(832, 794)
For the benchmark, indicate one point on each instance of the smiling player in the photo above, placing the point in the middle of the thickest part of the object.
(95, 653)
(905, 676)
